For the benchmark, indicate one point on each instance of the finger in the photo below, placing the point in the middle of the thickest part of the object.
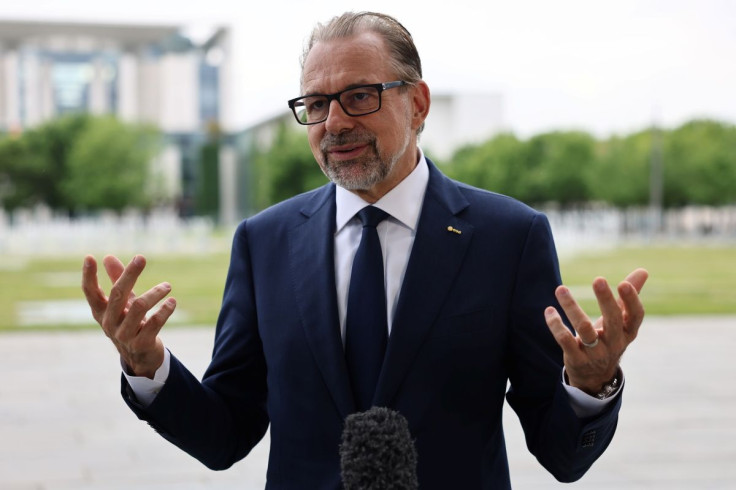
(560, 332)
(122, 288)
(92, 291)
(579, 320)
(115, 268)
(610, 311)
(637, 278)
(134, 319)
(633, 310)
(156, 322)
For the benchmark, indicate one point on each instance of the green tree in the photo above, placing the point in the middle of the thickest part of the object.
(700, 164)
(548, 167)
(558, 168)
(286, 168)
(497, 165)
(33, 164)
(20, 171)
(208, 183)
(109, 166)
(622, 172)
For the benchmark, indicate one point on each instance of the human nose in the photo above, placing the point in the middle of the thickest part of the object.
(337, 120)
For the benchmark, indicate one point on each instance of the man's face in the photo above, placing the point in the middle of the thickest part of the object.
(366, 154)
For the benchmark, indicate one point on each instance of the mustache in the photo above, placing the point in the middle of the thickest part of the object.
(330, 140)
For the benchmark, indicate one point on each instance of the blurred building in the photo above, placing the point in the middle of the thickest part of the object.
(140, 73)
(459, 119)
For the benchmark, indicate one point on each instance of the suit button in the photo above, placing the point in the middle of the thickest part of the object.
(588, 439)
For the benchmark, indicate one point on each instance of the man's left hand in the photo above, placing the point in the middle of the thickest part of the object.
(592, 357)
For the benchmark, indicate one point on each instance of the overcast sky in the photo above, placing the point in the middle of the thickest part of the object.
(605, 67)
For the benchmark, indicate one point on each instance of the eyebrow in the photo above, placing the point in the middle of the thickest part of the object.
(348, 87)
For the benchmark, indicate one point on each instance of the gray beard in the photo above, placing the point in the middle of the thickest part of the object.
(361, 173)
(358, 174)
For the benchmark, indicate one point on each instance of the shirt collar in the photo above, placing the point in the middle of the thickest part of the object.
(403, 202)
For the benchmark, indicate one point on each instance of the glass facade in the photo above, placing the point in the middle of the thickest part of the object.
(209, 90)
(73, 76)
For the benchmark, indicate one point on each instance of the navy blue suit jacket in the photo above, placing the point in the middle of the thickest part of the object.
(469, 319)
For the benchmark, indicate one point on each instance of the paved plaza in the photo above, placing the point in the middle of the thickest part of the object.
(64, 426)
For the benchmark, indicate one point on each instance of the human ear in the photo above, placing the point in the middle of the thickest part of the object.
(420, 99)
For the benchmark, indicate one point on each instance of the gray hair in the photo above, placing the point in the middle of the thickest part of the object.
(405, 58)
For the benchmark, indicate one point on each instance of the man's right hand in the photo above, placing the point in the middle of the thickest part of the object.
(123, 315)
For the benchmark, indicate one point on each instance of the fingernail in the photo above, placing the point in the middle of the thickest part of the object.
(171, 302)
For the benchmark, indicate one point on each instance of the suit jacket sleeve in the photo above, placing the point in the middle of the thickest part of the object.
(219, 420)
(564, 444)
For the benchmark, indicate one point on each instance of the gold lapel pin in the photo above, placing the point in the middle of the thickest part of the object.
(454, 230)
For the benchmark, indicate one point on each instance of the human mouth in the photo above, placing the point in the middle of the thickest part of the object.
(346, 152)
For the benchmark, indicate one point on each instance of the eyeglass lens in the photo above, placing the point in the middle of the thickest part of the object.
(355, 102)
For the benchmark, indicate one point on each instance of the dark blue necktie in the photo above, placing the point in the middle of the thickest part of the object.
(366, 327)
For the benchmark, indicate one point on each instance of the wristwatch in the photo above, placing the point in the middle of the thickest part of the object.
(609, 388)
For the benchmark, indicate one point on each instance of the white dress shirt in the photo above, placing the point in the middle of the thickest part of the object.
(396, 233)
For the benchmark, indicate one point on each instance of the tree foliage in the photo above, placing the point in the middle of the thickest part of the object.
(33, 164)
(559, 166)
(700, 164)
(564, 167)
(109, 166)
(621, 174)
(498, 164)
(79, 162)
(286, 168)
(84, 163)
(207, 201)
(20, 172)
(698, 161)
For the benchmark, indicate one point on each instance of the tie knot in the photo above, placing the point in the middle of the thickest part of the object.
(371, 216)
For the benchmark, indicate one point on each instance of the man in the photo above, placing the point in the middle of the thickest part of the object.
(470, 278)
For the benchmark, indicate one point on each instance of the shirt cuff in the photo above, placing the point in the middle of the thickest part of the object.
(145, 389)
(585, 405)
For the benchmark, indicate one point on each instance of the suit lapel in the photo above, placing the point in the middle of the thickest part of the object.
(435, 259)
(311, 256)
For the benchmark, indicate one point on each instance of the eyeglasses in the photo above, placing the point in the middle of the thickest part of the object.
(355, 101)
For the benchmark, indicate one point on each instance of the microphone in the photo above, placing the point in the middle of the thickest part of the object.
(377, 452)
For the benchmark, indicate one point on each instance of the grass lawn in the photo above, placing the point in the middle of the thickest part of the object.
(683, 280)
(55, 284)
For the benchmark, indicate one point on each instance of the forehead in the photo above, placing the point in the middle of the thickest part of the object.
(333, 65)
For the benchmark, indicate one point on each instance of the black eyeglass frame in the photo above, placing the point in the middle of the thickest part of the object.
(380, 87)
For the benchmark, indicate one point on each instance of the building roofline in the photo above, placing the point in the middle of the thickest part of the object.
(15, 31)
